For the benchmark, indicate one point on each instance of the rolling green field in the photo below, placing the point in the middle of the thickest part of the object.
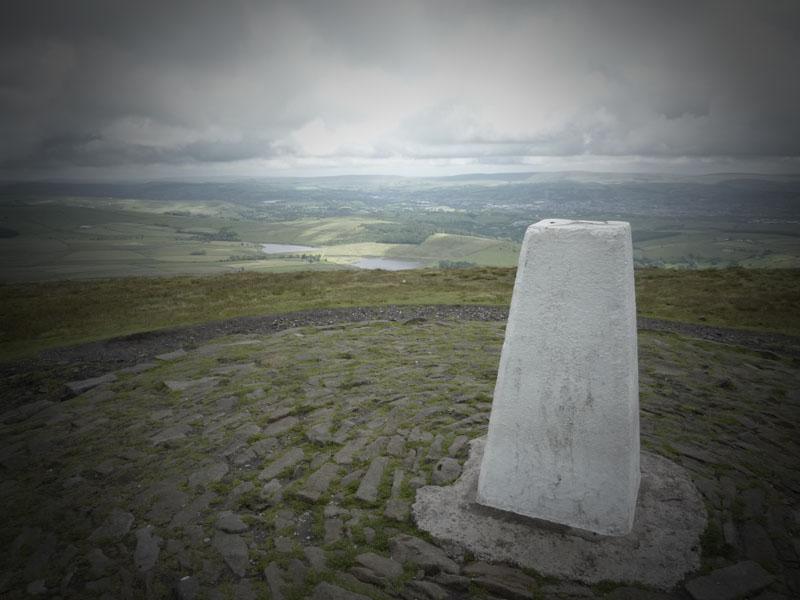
(75, 237)
(78, 238)
(37, 316)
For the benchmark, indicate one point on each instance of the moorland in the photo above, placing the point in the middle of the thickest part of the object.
(261, 444)
(58, 231)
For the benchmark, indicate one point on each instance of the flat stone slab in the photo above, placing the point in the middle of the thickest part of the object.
(181, 385)
(662, 547)
(209, 474)
(171, 355)
(26, 411)
(290, 459)
(76, 388)
(319, 482)
(368, 489)
(116, 525)
(730, 583)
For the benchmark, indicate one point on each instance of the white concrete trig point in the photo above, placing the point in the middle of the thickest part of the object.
(563, 441)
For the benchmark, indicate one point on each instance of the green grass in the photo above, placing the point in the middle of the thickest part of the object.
(758, 299)
(34, 317)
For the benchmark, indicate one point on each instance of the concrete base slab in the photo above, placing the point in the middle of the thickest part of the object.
(661, 549)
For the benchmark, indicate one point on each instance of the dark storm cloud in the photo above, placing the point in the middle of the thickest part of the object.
(295, 84)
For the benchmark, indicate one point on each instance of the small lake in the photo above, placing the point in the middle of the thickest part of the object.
(387, 264)
(281, 248)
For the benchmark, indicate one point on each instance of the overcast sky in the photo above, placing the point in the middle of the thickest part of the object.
(123, 88)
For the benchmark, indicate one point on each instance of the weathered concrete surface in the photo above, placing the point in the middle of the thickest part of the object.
(563, 441)
(662, 547)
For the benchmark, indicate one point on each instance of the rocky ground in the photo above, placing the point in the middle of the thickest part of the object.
(281, 459)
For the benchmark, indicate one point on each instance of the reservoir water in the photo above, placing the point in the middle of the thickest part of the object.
(387, 264)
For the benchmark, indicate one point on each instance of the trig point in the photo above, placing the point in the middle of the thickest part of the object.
(563, 441)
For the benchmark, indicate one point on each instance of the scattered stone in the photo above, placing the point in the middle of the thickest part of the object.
(71, 482)
(238, 491)
(75, 388)
(397, 482)
(385, 567)
(175, 548)
(373, 449)
(424, 590)
(116, 525)
(368, 490)
(187, 588)
(506, 581)
(99, 563)
(351, 477)
(244, 590)
(435, 449)
(319, 459)
(320, 433)
(316, 557)
(409, 549)
(192, 510)
(147, 548)
(345, 455)
(727, 487)
(209, 474)
(445, 471)
(730, 583)
(140, 368)
(179, 386)
(107, 466)
(230, 522)
(283, 519)
(333, 530)
(753, 499)
(285, 461)
(171, 355)
(211, 571)
(319, 482)
(397, 509)
(282, 426)
(369, 576)
(26, 411)
(233, 549)
(758, 546)
(269, 489)
(283, 544)
(169, 435)
(100, 587)
(369, 535)
(36, 588)
(456, 582)
(274, 581)
(255, 394)
(167, 503)
(297, 571)
(695, 453)
(67, 555)
(328, 591)
(39, 562)
(459, 443)
(410, 459)
(417, 435)
(417, 482)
